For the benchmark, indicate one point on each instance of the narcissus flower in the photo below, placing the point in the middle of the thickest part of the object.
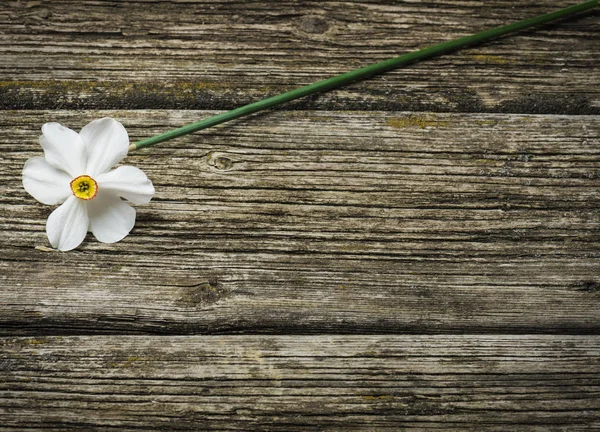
(74, 172)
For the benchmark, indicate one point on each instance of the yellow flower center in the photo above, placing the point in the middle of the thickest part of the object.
(84, 187)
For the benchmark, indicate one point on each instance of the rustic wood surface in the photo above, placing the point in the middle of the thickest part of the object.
(220, 54)
(422, 383)
(417, 251)
(324, 222)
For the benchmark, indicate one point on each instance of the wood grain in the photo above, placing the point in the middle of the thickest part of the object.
(423, 383)
(198, 54)
(419, 251)
(323, 222)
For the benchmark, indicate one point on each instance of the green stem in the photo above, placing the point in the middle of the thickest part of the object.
(365, 72)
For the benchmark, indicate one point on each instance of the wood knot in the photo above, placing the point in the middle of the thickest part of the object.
(44, 13)
(313, 25)
(202, 294)
(587, 286)
(219, 162)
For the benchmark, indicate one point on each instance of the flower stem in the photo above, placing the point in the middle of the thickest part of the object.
(365, 72)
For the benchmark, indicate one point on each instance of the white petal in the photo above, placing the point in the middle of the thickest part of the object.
(111, 218)
(64, 149)
(107, 143)
(45, 183)
(68, 224)
(128, 182)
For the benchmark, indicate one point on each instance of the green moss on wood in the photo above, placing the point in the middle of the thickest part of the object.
(420, 121)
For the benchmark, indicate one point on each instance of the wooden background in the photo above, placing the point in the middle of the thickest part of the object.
(417, 251)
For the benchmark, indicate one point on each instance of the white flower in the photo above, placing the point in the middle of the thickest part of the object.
(75, 173)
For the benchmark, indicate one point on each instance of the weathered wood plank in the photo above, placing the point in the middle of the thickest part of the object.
(323, 222)
(473, 383)
(220, 54)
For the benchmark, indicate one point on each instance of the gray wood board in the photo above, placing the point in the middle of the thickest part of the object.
(467, 383)
(320, 222)
(217, 55)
